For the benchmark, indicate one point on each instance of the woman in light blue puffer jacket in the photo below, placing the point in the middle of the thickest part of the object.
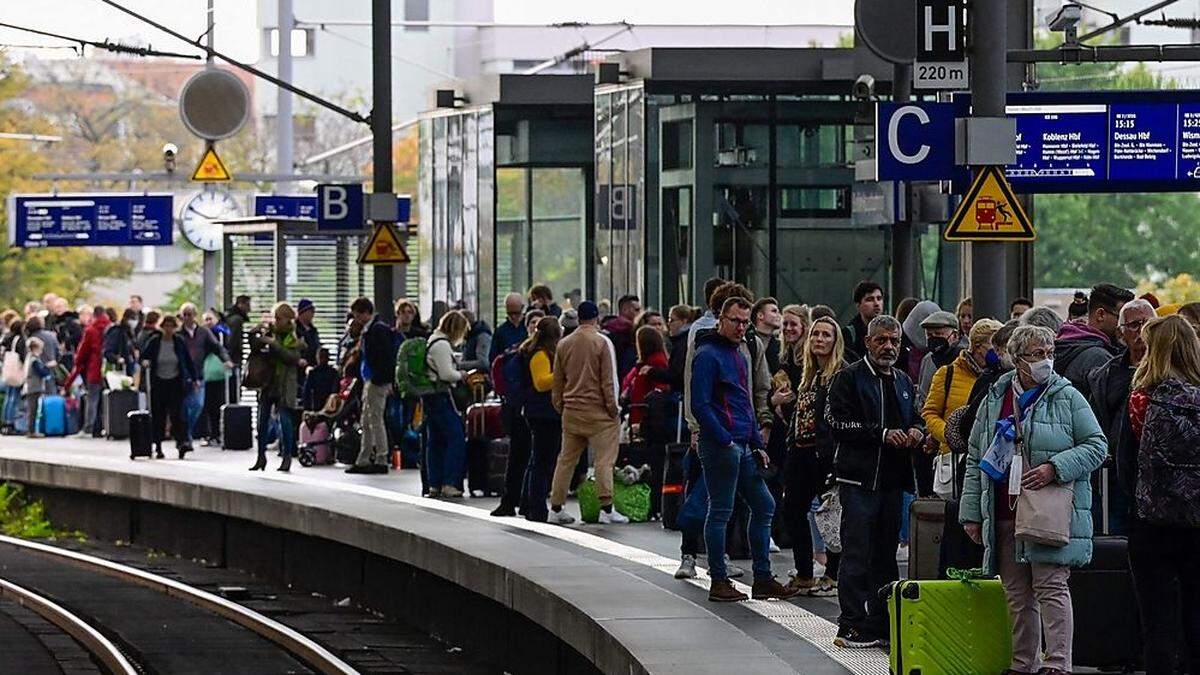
(1065, 445)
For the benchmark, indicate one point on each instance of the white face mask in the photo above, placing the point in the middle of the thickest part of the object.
(1041, 371)
(132, 323)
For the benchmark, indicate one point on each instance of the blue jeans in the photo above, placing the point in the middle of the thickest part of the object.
(12, 402)
(274, 419)
(447, 448)
(193, 405)
(729, 470)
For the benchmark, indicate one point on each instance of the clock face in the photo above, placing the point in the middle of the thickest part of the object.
(196, 221)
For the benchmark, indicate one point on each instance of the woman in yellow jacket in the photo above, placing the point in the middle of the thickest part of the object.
(545, 424)
(949, 391)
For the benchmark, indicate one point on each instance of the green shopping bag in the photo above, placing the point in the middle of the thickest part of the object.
(631, 501)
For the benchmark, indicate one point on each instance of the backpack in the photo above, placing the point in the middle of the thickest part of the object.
(508, 375)
(1168, 462)
(414, 375)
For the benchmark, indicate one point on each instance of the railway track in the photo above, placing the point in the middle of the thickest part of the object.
(133, 621)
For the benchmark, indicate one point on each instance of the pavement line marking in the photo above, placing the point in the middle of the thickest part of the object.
(812, 628)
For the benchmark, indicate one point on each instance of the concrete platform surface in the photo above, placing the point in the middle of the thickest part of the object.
(605, 590)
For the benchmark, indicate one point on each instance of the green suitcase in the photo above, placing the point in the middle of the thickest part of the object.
(949, 627)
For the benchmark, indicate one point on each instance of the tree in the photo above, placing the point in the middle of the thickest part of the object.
(26, 274)
(1119, 238)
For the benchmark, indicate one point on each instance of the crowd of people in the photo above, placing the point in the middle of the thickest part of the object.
(785, 415)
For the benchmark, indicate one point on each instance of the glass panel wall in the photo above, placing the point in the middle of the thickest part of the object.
(512, 233)
(470, 213)
(603, 237)
(487, 217)
(441, 216)
(424, 287)
(635, 225)
(620, 202)
(559, 229)
(454, 209)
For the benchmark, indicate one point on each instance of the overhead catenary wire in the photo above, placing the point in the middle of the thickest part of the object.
(105, 45)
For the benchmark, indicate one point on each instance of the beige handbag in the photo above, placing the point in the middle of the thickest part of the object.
(1043, 515)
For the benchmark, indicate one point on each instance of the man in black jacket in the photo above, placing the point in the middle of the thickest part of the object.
(236, 317)
(873, 416)
(1080, 348)
(1109, 397)
(305, 330)
(378, 370)
(868, 299)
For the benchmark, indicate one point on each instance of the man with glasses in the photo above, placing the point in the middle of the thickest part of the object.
(1083, 347)
(732, 451)
(1109, 399)
(874, 418)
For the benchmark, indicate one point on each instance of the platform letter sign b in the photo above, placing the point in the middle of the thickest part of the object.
(340, 207)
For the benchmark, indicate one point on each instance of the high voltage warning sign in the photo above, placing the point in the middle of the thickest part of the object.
(990, 212)
(211, 168)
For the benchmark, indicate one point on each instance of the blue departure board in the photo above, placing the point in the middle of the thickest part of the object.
(95, 219)
(1102, 141)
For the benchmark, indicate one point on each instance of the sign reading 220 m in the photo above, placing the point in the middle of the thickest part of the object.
(1096, 141)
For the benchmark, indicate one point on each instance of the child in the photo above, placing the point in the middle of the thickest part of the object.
(320, 382)
(36, 374)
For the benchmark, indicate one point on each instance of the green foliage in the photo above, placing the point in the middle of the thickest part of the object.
(1118, 238)
(29, 273)
(26, 519)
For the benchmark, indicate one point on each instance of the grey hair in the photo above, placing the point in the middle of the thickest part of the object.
(1137, 303)
(1025, 338)
(881, 323)
(1042, 316)
(1001, 337)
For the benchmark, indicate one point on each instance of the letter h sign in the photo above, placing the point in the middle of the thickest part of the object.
(941, 31)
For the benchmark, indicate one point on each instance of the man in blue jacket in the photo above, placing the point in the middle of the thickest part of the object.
(731, 451)
(873, 415)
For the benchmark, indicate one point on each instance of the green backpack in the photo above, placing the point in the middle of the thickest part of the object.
(414, 375)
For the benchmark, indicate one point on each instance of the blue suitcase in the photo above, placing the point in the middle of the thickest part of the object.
(52, 416)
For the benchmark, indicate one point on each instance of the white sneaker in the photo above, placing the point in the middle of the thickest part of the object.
(773, 547)
(560, 518)
(613, 517)
(733, 571)
(687, 567)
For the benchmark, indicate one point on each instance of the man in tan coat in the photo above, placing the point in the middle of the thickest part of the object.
(585, 394)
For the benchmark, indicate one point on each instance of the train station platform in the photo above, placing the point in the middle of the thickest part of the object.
(607, 591)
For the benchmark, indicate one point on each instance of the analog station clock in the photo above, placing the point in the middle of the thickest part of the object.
(199, 212)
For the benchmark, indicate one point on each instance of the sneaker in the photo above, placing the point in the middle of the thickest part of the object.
(687, 567)
(851, 638)
(773, 547)
(723, 591)
(361, 468)
(560, 518)
(503, 511)
(477, 494)
(612, 517)
(733, 571)
(433, 493)
(803, 586)
(451, 492)
(825, 587)
(770, 589)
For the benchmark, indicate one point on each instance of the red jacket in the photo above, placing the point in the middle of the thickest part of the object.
(636, 386)
(90, 355)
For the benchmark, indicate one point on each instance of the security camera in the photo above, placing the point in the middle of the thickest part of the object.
(1065, 18)
(169, 151)
(864, 87)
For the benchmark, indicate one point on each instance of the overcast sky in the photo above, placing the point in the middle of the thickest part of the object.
(237, 30)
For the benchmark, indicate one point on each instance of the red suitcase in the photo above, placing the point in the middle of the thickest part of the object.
(484, 422)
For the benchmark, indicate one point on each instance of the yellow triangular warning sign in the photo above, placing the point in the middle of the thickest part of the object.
(211, 168)
(384, 248)
(990, 212)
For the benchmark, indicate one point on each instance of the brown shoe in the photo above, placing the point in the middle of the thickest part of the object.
(767, 589)
(723, 591)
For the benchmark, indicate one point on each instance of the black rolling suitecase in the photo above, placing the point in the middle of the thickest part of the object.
(1105, 606)
(141, 425)
(237, 428)
(116, 404)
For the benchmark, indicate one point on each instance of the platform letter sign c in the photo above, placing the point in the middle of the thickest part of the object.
(336, 207)
(893, 135)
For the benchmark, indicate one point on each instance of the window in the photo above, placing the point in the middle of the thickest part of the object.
(814, 202)
(416, 10)
(302, 41)
(677, 145)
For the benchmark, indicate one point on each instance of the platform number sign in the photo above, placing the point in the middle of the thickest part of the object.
(941, 59)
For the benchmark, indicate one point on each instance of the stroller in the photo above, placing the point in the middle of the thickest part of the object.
(333, 434)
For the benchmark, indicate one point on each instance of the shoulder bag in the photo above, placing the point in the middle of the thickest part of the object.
(1043, 515)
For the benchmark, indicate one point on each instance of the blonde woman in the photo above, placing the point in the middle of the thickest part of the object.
(810, 454)
(280, 398)
(1164, 544)
(446, 455)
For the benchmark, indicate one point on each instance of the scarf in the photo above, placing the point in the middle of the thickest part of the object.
(287, 340)
(998, 458)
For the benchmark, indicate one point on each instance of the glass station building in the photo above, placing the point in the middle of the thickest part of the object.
(668, 167)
